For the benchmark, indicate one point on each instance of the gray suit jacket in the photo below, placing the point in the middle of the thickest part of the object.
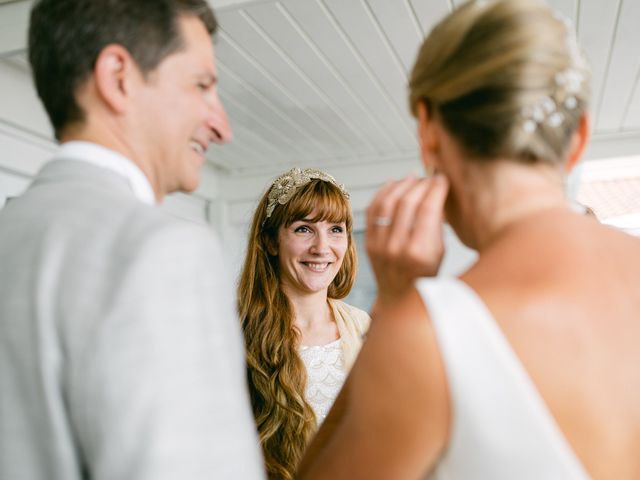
(120, 351)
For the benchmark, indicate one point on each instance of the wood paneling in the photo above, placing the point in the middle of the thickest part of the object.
(14, 17)
(622, 70)
(324, 82)
(429, 12)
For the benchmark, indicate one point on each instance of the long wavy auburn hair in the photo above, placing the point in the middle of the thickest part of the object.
(276, 373)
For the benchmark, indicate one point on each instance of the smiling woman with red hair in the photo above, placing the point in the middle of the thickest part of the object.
(300, 338)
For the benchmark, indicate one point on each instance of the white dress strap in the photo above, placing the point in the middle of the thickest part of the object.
(501, 428)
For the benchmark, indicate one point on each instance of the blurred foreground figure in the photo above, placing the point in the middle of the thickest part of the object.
(526, 366)
(120, 353)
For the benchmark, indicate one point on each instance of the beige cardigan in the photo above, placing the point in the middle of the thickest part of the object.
(353, 323)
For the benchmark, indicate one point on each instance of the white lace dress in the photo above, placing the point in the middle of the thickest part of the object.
(326, 373)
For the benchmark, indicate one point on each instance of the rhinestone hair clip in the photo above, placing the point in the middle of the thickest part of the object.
(567, 85)
(546, 110)
(286, 185)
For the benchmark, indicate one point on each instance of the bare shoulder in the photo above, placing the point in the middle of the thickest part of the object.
(566, 292)
(552, 246)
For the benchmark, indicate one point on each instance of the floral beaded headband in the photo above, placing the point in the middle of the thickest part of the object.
(286, 185)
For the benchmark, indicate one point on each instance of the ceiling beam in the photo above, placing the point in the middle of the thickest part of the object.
(14, 22)
(223, 4)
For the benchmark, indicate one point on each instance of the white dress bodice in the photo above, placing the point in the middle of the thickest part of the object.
(326, 373)
(501, 429)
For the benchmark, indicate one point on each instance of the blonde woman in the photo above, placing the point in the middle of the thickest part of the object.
(300, 338)
(525, 367)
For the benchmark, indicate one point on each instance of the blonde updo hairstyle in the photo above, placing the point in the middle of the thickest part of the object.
(487, 64)
(277, 376)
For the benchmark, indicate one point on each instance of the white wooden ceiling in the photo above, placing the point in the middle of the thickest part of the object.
(323, 82)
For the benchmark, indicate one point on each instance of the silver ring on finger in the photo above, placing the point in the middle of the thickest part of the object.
(382, 221)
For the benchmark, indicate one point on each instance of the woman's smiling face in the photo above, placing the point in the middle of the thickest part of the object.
(310, 254)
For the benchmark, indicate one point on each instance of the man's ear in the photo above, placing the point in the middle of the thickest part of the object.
(579, 142)
(114, 74)
(428, 137)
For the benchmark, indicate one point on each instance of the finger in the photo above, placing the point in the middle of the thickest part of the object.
(383, 207)
(374, 206)
(373, 213)
(395, 265)
(404, 217)
(430, 215)
(384, 201)
(425, 245)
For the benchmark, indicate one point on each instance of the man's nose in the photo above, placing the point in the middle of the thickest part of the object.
(218, 122)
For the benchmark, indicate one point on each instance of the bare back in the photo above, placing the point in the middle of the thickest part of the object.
(566, 292)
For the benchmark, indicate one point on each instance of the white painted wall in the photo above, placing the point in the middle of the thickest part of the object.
(25, 135)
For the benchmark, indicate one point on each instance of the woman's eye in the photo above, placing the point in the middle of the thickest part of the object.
(337, 229)
(302, 229)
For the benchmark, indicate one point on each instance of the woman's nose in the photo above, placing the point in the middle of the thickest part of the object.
(320, 244)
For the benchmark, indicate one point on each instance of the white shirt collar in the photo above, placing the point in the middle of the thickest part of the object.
(111, 160)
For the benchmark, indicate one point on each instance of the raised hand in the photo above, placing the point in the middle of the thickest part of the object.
(404, 238)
